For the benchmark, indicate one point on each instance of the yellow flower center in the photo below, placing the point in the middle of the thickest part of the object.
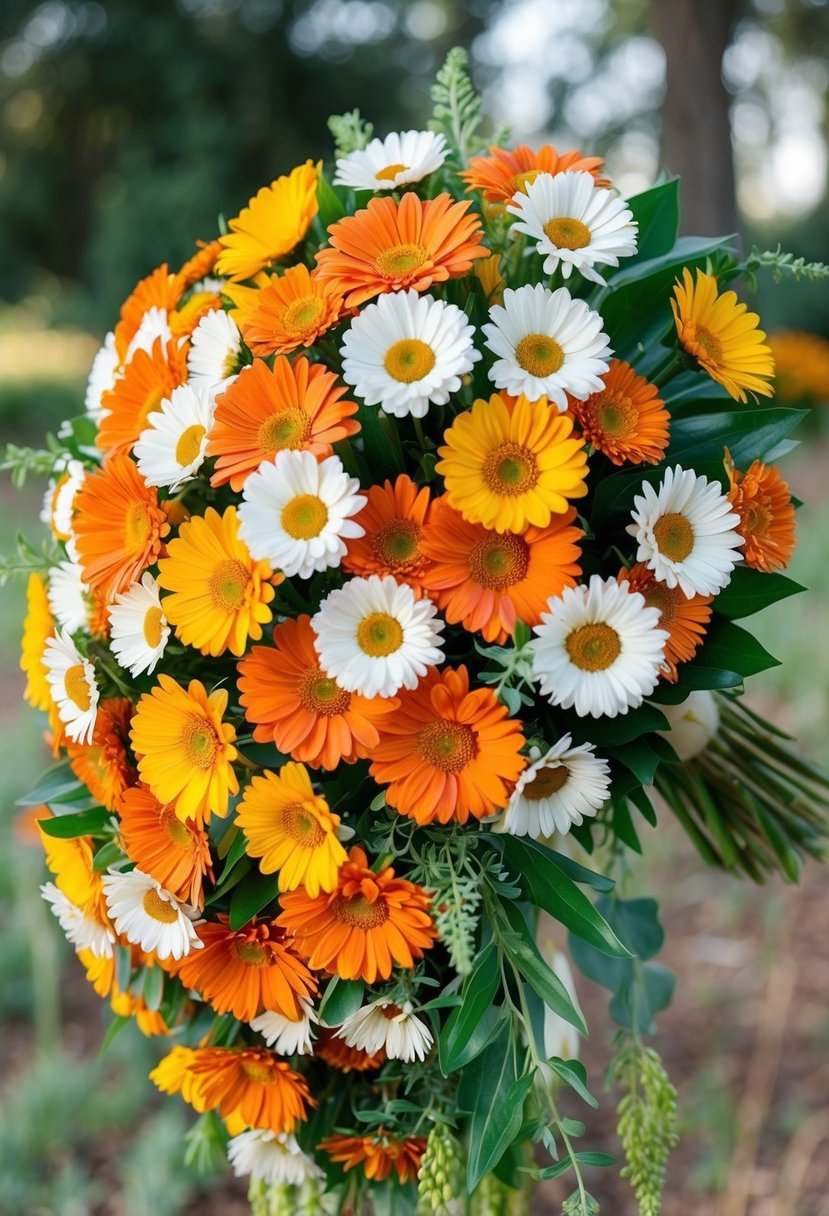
(259, 1072)
(567, 233)
(253, 954)
(702, 344)
(189, 444)
(177, 832)
(159, 909)
(77, 688)
(390, 172)
(520, 180)
(510, 469)
(409, 360)
(397, 543)
(674, 536)
(546, 782)
(379, 634)
(449, 746)
(287, 428)
(359, 911)
(497, 562)
(303, 315)
(297, 822)
(199, 741)
(616, 415)
(304, 516)
(400, 260)
(153, 619)
(539, 354)
(593, 647)
(228, 584)
(137, 527)
(320, 694)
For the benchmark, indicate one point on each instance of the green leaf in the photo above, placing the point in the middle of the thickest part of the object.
(250, 897)
(116, 1025)
(235, 854)
(55, 784)
(747, 433)
(123, 967)
(382, 447)
(731, 648)
(523, 953)
(109, 854)
(655, 992)
(636, 921)
(639, 757)
(330, 204)
(498, 1109)
(553, 1171)
(84, 823)
(612, 732)
(599, 1159)
(152, 989)
(693, 676)
(657, 213)
(574, 1074)
(341, 999)
(477, 995)
(752, 590)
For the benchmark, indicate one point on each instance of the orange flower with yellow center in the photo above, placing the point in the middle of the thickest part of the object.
(172, 1075)
(378, 1153)
(175, 852)
(119, 526)
(366, 925)
(185, 751)
(291, 311)
(627, 420)
(273, 223)
(105, 765)
(337, 1054)
(489, 580)
(296, 406)
(448, 753)
(162, 289)
(146, 381)
(391, 246)
(763, 502)
(394, 519)
(250, 1084)
(38, 626)
(201, 263)
(685, 620)
(503, 173)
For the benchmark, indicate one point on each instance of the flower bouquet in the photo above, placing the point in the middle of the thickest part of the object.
(391, 589)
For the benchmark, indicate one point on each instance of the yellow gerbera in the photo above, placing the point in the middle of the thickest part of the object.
(185, 752)
(509, 462)
(219, 593)
(723, 336)
(71, 863)
(291, 829)
(273, 222)
(37, 627)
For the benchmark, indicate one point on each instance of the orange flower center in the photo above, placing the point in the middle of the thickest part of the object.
(297, 822)
(390, 172)
(358, 911)
(758, 519)
(153, 619)
(397, 543)
(77, 687)
(674, 536)
(593, 647)
(390, 1011)
(409, 360)
(379, 635)
(510, 469)
(321, 695)
(178, 832)
(304, 516)
(189, 444)
(228, 584)
(702, 344)
(159, 909)
(519, 180)
(137, 527)
(258, 1071)
(400, 260)
(303, 315)
(497, 562)
(253, 954)
(447, 745)
(287, 428)
(616, 415)
(539, 354)
(546, 782)
(200, 741)
(567, 233)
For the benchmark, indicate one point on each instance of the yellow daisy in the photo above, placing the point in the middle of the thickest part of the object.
(185, 752)
(291, 829)
(220, 595)
(723, 336)
(509, 462)
(273, 222)
(38, 626)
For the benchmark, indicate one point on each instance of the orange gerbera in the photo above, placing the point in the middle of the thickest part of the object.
(503, 173)
(378, 1153)
(393, 518)
(627, 420)
(201, 263)
(367, 924)
(295, 405)
(146, 380)
(292, 311)
(247, 972)
(295, 705)
(38, 627)
(161, 289)
(175, 852)
(252, 1084)
(391, 246)
(685, 619)
(763, 502)
(448, 753)
(119, 526)
(106, 765)
(488, 580)
(337, 1054)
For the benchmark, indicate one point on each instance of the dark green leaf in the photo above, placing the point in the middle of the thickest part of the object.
(84, 823)
(330, 204)
(541, 978)
(693, 676)
(152, 989)
(108, 855)
(639, 757)
(478, 993)
(235, 853)
(747, 433)
(731, 648)
(657, 213)
(751, 590)
(498, 1110)
(123, 967)
(53, 785)
(341, 999)
(553, 1171)
(599, 1159)
(613, 732)
(655, 991)
(250, 897)
(574, 1074)
(636, 921)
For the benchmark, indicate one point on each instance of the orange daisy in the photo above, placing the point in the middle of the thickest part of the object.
(252, 1083)
(627, 420)
(448, 753)
(264, 411)
(503, 173)
(292, 311)
(378, 1153)
(367, 924)
(176, 852)
(337, 1054)
(391, 246)
(763, 502)
(247, 972)
(119, 526)
(105, 765)
(161, 289)
(488, 580)
(685, 619)
(201, 263)
(295, 705)
(145, 382)
(393, 518)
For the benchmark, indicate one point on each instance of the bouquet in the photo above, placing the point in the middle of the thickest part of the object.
(392, 587)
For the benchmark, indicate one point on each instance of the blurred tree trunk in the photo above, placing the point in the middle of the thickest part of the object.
(696, 132)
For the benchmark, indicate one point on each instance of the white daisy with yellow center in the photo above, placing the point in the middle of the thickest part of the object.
(547, 345)
(148, 916)
(558, 789)
(408, 351)
(598, 649)
(575, 223)
(101, 377)
(170, 450)
(297, 512)
(84, 931)
(288, 1038)
(138, 627)
(73, 686)
(67, 594)
(393, 1028)
(374, 637)
(215, 347)
(59, 499)
(401, 158)
(687, 532)
(274, 1158)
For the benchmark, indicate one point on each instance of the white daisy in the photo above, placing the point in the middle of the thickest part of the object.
(81, 929)
(74, 689)
(67, 596)
(170, 450)
(59, 499)
(598, 649)
(575, 223)
(694, 723)
(687, 532)
(548, 345)
(101, 377)
(557, 790)
(285, 1037)
(296, 512)
(382, 1024)
(398, 160)
(138, 627)
(148, 916)
(406, 351)
(154, 324)
(275, 1157)
(374, 637)
(213, 358)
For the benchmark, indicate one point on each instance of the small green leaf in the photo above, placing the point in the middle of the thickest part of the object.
(254, 893)
(477, 995)
(731, 648)
(55, 783)
(84, 823)
(152, 989)
(498, 1110)
(574, 1074)
(752, 590)
(341, 999)
(108, 855)
(541, 978)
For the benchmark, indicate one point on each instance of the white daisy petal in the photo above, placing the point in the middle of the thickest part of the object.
(81, 929)
(72, 682)
(213, 358)
(138, 627)
(556, 791)
(148, 916)
(59, 499)
(398, 160)
(154, 324)
(101, 377)
(275, 1158)
(394, 1028)
(171, 448)
(694, 723)
(67, 596)
(288, 1038)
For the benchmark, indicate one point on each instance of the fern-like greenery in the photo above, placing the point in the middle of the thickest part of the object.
(457, 109)
(350, 131)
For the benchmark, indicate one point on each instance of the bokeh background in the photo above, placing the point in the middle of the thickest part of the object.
(126, 128)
